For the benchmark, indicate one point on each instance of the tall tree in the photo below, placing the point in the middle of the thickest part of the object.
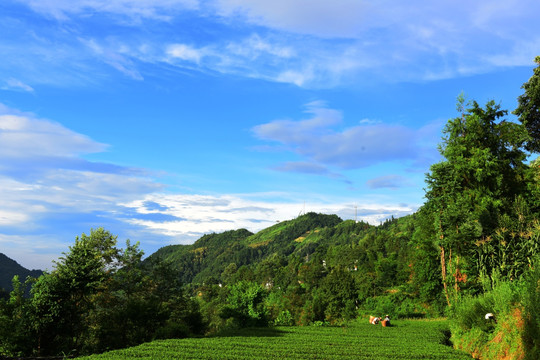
(478, 180)
(528, 109)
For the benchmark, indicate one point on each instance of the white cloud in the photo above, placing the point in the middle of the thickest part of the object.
(200, 214)
(23, 136)
(43, 176)
(339, 18)
(115, 54)
(255, 46)
(42, 251)
(39, 188)
(351, 148)
(10, 218)
(297, 132)
(297, 78)
(185, 52)
(312, 44)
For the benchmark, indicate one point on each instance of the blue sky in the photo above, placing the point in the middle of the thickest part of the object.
(163, 120)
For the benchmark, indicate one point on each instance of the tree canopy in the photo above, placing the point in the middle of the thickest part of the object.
(528, 109)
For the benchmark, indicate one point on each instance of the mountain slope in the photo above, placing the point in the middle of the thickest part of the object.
(208, 257)
(10, 268)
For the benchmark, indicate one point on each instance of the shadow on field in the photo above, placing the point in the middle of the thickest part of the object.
(445, 338)
(252, 332)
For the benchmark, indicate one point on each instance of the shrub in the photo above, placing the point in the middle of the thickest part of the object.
(531, 305)
(515, 333)
(284, 319)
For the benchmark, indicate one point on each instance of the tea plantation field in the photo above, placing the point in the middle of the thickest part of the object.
(407, 339)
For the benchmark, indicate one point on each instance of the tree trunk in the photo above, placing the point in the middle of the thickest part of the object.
(457, 274)
(443, 273)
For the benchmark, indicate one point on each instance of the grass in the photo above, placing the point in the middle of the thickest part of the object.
(407, 339)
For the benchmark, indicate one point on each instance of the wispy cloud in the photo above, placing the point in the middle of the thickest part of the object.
(23, 136)
(114, 54)
(388, 181)
(342, 18)
(303, 167)
(185, 52)
(317, 45)
(16, 85)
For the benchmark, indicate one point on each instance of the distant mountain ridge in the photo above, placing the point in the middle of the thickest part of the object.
(10, 268)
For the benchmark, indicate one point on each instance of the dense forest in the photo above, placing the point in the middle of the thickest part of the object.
(472, 248)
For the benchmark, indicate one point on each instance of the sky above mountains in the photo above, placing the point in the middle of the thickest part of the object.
(163, 120)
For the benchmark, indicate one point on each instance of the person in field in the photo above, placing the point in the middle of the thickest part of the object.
(374, 320)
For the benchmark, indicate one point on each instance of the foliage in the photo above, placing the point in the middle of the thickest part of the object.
(245, 304)
(472, 192)
(531, 311)
(491, 339)
(98, 298)
(16, 335)
(528, 109)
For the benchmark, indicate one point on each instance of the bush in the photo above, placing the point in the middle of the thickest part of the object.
(397, 304)
(172, 330)
(509, 335)
(531, 305)
(284, 319)
(245, 305)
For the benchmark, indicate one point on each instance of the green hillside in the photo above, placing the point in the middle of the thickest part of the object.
(208, 257)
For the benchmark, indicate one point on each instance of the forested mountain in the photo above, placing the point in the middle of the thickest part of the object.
(313, 268)
(10, 268)
(309, 239)
(210, 255)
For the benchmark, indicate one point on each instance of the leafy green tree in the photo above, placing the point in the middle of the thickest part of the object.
(425, 261)
(229, 272)
(245, 304)
(16, 335)
(62, 300)
(99, 297)
(482, 172)
(528, 109)
(338, 292)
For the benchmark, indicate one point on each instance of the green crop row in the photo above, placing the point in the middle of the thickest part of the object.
(412, 339)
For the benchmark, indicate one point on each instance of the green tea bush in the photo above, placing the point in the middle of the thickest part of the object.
(409, 339)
